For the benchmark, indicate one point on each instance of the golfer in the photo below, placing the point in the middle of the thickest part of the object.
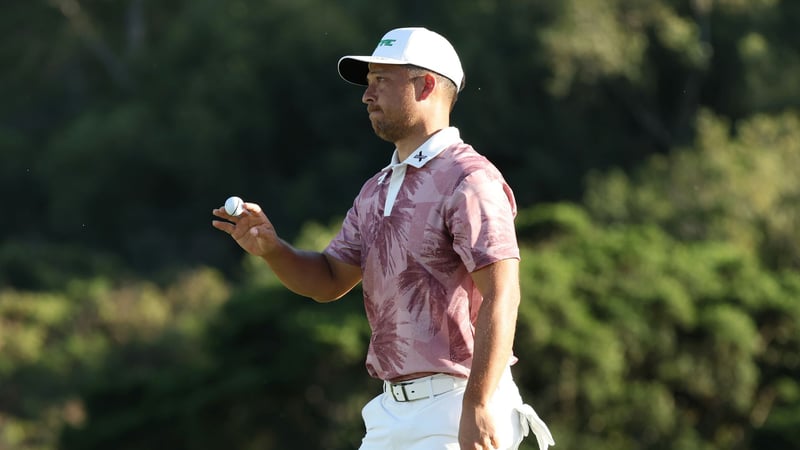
(431, 238)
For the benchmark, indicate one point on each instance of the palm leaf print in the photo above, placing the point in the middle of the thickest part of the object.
(385, 341)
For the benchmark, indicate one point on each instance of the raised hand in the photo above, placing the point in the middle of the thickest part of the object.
(252, 230)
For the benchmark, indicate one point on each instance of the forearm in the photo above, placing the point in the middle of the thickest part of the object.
(494, 339)
(307, 273)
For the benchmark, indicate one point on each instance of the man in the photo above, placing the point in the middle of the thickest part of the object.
(432, 239)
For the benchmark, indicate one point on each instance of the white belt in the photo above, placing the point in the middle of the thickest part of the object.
(425, 387)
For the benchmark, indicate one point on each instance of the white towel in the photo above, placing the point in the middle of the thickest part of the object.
(530, 421)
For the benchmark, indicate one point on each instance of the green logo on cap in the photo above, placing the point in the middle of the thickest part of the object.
(387, 42)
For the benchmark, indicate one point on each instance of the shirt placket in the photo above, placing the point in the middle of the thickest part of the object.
(395, 182)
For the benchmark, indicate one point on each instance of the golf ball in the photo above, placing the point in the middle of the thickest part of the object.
(234, 206)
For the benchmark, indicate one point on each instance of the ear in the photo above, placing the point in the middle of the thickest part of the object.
(428, 87)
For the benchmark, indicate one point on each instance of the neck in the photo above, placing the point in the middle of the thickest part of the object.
(406, 146)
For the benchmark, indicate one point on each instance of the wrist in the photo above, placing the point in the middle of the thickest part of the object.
(272, 251)
(475, 400)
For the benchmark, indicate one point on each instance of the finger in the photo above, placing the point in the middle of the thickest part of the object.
(221, 213)
(487, 443)
(251, 208)
(223, 226)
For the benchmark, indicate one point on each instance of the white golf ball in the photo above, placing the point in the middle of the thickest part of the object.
(234, 206)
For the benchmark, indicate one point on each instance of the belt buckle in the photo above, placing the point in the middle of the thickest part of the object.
(402, 386)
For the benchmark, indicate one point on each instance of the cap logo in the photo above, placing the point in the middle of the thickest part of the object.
(387, 42)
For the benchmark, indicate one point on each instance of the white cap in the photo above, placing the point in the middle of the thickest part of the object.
(416, 46)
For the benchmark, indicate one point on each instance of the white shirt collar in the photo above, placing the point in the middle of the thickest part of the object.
(441, 140)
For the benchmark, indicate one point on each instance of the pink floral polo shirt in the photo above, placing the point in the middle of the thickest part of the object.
(417, 229)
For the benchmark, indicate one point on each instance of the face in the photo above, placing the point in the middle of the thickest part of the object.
(390, 100)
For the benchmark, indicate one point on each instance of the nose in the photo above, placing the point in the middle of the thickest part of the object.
(369, 95)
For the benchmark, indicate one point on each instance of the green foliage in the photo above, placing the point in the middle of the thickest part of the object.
(643, 341)
(270, 371)
(660, 313)
(125, 122)
(733, 185)
(54, 345)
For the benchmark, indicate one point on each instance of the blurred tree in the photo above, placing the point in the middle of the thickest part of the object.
(54, 346)
(735, 184)
(274, 369)
(159, 111)
(660, 313)
(630, 339)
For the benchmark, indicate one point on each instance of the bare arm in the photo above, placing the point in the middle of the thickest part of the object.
(494, 338)
(307, 273)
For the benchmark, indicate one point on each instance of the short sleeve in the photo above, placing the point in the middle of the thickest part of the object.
(346, 245)
(480, 215)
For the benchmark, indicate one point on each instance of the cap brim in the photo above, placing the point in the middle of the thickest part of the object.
(354, 69)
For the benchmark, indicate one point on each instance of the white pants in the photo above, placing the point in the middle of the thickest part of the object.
(432, 423)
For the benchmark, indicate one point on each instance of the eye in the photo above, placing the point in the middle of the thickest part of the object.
(375, 79)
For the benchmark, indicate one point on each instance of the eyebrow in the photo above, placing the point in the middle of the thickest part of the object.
(379, 73)
(377, 70)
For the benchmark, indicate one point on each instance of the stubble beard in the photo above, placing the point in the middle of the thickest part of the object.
(392, 129)
(389, 132)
